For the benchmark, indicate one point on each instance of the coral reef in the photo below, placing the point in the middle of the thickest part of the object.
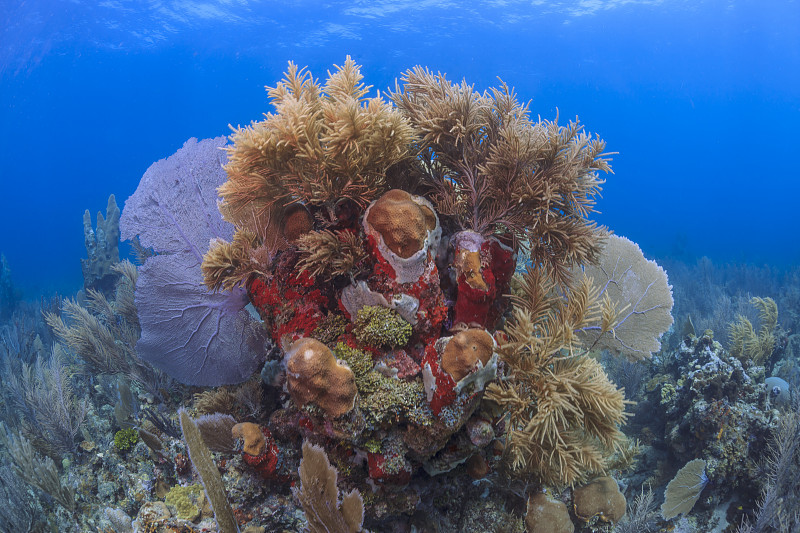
(363, 257)
(717, 410)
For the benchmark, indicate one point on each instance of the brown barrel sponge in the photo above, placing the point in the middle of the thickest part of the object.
(547, 515)
(314, 376)
(402, 222)
(465, 349)
(600, 498)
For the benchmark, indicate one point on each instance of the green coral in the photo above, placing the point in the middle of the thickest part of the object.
(125, 439)
(379, 326)
(331, 327)
(668, 392)
(186, 500)
(373, 445)
(359, 361)
(384, 399)
(395, 400)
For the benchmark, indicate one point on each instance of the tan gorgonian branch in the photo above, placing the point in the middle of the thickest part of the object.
(326, 509)
(562, 411)
(124, 301)
(230, 264)
(322, 144)
(224, 265)
(494, 170)
(91, 338)
(745, 343)
(330, 253)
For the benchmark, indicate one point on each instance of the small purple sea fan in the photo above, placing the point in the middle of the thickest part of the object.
(195, 336)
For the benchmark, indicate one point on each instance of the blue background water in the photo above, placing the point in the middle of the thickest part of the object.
(700, 99)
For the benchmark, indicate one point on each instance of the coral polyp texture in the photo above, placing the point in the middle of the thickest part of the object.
(373, 243)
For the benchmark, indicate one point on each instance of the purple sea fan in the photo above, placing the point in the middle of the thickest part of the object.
(195, 336)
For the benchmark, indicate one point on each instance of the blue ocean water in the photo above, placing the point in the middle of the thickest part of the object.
(700, 98)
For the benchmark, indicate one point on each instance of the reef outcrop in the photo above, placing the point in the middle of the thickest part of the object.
(415, 267)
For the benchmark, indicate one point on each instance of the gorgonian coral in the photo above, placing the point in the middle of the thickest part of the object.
(495, 171)
(321, 146)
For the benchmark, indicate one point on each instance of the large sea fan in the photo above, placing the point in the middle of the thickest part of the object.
(196, 336)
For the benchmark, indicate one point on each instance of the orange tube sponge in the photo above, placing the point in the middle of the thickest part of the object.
(315, 376)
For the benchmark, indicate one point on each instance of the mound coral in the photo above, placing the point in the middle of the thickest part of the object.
(314, 376)
(600, 498)
(745, 343)
(465, 350)
(547, 515)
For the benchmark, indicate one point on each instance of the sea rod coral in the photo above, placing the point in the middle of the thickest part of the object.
(376, 242)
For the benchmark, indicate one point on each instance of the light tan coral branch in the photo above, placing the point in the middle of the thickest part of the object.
(319, 495)
(494, 170)
(321, 145)
(330, 253)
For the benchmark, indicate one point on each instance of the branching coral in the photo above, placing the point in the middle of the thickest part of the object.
(563, 412)
(104, 334)
(564, 420)
(745, 343)
(322, 145)
(324, 149)
(49, 411)
(494, 170)
(330, 253)
(319, 495)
